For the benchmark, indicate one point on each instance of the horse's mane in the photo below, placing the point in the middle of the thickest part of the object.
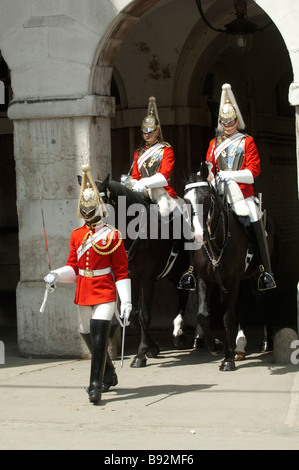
(132, 197)
(201, 175)
(193, 178)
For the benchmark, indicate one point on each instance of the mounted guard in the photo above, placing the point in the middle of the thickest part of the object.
(152, 168)
(235, 161)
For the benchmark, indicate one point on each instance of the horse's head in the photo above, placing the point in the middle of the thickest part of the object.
(198, 196)
(118, 198)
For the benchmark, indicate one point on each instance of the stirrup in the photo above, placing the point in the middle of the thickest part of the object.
(265, 281)
(188, 281)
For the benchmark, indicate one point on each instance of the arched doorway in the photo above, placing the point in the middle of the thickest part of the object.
(167, 50)
(9, 256)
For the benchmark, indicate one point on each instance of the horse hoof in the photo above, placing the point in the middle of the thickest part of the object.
(138, 362)
(239, 356)
(217, 348)
(198, 343)
(227, 366)
(179, 341)
(266, 346)
(153, 352)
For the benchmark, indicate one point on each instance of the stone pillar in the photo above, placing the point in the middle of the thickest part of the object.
(52, 139)
(294, 101)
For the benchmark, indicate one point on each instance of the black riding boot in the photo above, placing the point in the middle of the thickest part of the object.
(110, 377)
(99, 333)
(265, 280)
(87, 340)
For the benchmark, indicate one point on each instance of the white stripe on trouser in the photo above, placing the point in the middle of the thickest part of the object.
(96, 312)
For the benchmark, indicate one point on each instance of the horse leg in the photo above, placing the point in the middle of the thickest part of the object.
(198, 341)
(178, 336)
(241, 341)
(228, 364)
(214, 346)
(147, 346)
(267, 343)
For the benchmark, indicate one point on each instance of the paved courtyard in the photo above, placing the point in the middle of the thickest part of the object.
(180, 401)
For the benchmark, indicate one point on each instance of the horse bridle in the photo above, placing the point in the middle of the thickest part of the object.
(133, 248)
(211, 236)
(211, 206)
(208, 246)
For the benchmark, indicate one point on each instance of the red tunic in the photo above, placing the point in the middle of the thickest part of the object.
(251, 162)
(98, 289)
(165, 168)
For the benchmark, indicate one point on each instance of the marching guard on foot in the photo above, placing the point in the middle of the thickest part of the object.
(98, 263)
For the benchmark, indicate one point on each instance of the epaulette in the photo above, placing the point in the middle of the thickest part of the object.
(78, 228)
(107, 242)
(166, 144)
(116, 232)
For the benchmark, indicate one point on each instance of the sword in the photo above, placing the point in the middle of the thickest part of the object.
(260, 205)
(46, 242)
(123, 345)
(43, 220)
(122, 322)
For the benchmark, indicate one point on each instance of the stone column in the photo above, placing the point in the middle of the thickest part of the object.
(294, 101)
(52, 139)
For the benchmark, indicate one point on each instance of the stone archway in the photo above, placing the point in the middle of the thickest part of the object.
(62, 111)
(185, 109)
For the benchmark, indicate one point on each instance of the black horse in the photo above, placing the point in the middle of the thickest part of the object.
(225, 260)
(154, 252)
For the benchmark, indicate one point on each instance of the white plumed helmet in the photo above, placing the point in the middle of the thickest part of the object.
(229, 109)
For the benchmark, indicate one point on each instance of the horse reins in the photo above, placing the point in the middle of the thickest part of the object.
(133, 248)
(208, 248)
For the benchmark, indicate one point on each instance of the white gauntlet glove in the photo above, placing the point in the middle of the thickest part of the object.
(139, 186)
(241, 176)
(50, 280)
(64, 274)
(155, 181)
(124, 292)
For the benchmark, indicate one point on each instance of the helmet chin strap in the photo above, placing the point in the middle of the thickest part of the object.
(153, 139)
(230, 128)
(94, 220)
(92, 224)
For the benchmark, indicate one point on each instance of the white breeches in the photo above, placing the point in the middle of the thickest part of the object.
(96, 312)
(254, 216)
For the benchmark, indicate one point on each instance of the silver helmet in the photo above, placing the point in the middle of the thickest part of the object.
(229, 109)
(91, 205)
